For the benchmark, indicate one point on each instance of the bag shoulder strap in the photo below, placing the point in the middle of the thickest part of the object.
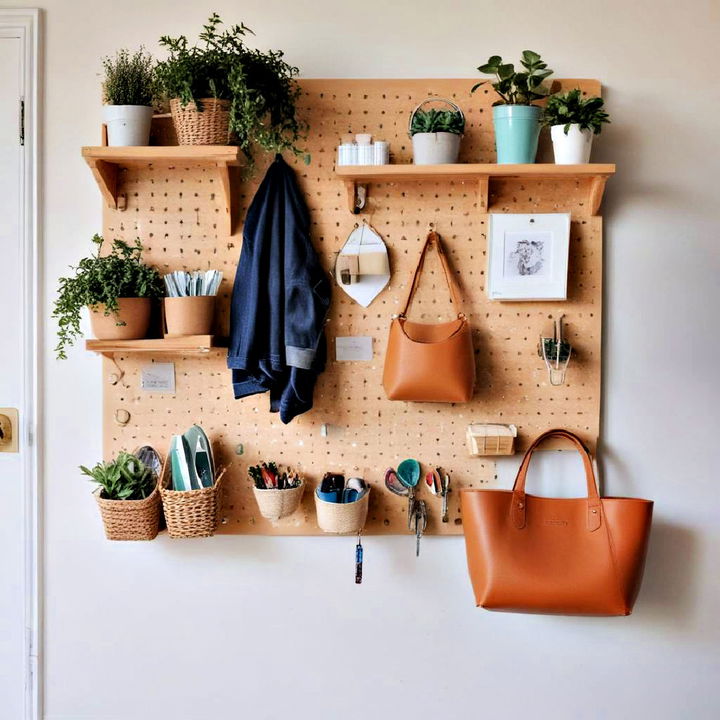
(433, 239)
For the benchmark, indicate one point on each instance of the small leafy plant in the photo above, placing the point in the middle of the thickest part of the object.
(571, 109)
(125, 478)
(517, 88)
(129, 78)
(432, 121)
(260, 85)
(101, 280)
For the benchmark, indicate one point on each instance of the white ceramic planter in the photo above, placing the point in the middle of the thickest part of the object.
(127, 124)
(573, 148)
(435, 148)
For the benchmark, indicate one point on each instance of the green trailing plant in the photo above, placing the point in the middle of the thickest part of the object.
(99, 280)
(125, 478)
(520, 87)
(260, 86)
(129, 78)
(432, 121)
(571, 109)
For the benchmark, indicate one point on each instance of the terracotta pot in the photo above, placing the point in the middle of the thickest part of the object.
(189, 315)
(133, 312)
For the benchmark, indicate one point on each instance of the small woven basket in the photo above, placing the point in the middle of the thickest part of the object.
(342, 518)
(190, 513)
(209, 126)
(130, 519)
(276, 504)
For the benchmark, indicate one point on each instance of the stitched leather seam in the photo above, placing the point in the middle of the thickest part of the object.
(611, 546)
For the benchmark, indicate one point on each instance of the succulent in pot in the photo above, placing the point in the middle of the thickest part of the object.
(436, 134)
(116, 287)
(515, 118)
(129, 89)
(127, 496)
(223, 91)
(573, 122)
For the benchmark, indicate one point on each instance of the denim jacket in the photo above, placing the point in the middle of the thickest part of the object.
(280, 300)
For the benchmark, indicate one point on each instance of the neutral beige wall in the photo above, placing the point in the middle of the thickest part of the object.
(277, 627)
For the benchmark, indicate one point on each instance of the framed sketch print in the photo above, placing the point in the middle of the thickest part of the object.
(528, 256)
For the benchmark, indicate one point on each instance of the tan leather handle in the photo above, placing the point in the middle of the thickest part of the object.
(519, 504)
(434, 239)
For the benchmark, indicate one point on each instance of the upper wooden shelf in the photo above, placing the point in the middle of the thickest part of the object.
(106, 161)
(186, 345)
(358, 176)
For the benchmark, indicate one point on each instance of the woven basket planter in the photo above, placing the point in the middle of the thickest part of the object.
(342, 518)
(276, 504)
(209, 126)
(130, 519)
(191, 513)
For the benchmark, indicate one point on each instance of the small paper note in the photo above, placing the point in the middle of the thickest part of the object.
(355, 347)
(158, 378)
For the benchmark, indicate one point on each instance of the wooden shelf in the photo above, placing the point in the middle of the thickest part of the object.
(105, 163)
(357, 177)
(187, 345)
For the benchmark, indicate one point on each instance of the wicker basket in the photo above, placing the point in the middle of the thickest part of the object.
(209, 126)
(342, 518)
(130, 519)
(276, 504)
(190, 513)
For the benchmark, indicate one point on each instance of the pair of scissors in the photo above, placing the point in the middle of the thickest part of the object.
(438, 482)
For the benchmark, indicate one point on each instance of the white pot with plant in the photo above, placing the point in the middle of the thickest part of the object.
(516, 119)
(436, 134)
(116, 287)
(573, 123)
(128, 90)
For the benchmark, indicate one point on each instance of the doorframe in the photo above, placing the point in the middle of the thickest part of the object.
(25, 23)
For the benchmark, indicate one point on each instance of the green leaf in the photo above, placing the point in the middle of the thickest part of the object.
(505, 71)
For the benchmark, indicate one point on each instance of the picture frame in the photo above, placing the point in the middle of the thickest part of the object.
(528, 256)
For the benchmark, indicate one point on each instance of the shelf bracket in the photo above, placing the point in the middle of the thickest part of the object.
(483, 193)
(225, 184)
(106, 176)
(356, 196)
(597, 188)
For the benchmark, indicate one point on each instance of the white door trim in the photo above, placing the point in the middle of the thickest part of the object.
(24, 23)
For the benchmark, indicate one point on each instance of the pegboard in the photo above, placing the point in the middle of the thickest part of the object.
(175, 213)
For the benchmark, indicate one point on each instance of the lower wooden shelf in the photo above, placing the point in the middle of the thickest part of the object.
(187, 345)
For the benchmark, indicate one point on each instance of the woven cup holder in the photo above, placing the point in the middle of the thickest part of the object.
(191, 513)
(209, 126)
(130, 519)
(342, 518)
(275, 504)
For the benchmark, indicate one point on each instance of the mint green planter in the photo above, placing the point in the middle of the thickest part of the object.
(517, 128)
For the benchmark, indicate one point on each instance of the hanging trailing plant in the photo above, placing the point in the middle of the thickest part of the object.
(100, 281)
(260, 86)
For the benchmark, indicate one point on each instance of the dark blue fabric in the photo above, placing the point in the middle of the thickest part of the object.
(280, 300)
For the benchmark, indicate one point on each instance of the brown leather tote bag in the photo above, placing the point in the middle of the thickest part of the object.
(576, 556)
(430, 362)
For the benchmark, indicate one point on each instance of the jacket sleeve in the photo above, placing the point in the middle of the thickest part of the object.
(307, 302)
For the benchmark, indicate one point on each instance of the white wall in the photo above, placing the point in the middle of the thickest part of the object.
(279, 627)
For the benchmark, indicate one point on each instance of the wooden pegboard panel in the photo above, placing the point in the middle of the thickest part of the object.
(175, 213)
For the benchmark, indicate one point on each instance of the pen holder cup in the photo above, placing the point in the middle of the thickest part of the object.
(192, 315)
(130, 519)
(342, 518)
(276, 504)
(191, 513)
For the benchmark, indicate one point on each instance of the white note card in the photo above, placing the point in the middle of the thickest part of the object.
(158, 378)
(355, 347)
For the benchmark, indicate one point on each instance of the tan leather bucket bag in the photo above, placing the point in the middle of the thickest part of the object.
(430, 362)
(577, 556)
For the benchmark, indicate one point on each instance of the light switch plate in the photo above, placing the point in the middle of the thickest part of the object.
(9, 430)
(158, 378)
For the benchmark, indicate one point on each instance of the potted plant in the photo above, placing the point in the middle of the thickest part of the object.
(128, 89)
(127, 496)
(116, 288)
(516, 119)
(436, 134)
(573, 122)
(222, 90)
